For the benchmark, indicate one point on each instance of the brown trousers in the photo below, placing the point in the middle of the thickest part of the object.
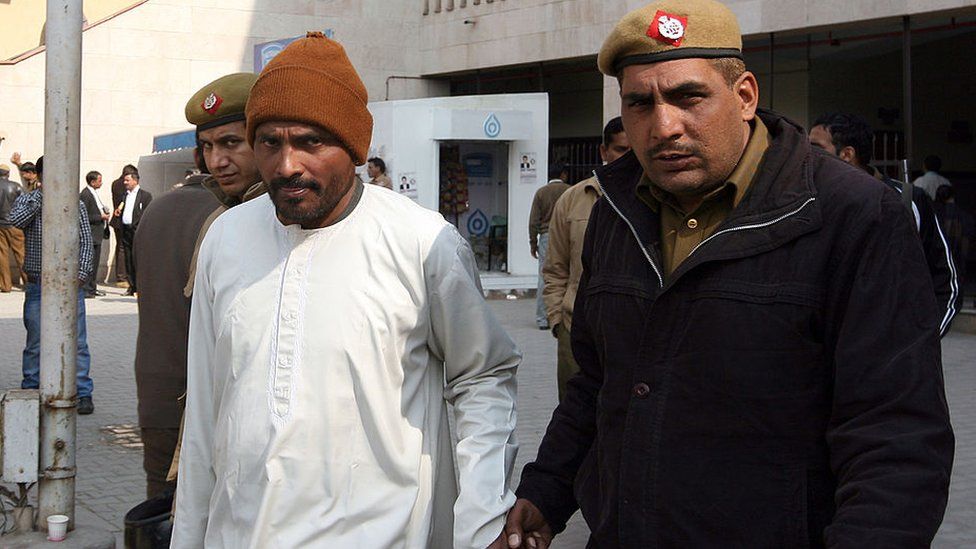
(157, 454)
(567, 366)
(11, 242)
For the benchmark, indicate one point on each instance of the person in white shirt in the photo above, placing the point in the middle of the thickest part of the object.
(136, 201)
(931, 180)
(332, 324)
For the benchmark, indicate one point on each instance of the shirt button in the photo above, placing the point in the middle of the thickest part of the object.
(692, 223)
(641, 390)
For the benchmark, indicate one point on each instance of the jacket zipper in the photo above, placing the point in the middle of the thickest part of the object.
(643, 249)
(700, 244)
(753, 226)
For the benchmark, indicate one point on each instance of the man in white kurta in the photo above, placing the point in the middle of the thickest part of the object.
(321, 365)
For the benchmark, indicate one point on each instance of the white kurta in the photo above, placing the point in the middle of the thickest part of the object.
(320, 367)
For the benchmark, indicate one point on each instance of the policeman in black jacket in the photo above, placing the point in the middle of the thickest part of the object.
(849, 137)
(756, 328)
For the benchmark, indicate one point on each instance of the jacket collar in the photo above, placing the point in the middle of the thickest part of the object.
(255, 190)
(780, 206)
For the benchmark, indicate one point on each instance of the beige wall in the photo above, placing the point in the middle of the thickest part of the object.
(141, 67)
(24, 22)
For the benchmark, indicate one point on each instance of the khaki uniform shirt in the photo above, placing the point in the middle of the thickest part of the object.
(542, 204)
(563, 266)
(382, 180)
(682, 231)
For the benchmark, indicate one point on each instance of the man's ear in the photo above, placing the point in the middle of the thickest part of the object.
(747, 88)
(847, 154)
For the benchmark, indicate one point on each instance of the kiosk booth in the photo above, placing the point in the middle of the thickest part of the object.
(479, 161)
(476, 159)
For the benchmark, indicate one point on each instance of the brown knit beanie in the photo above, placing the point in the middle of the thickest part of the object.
(312, 82)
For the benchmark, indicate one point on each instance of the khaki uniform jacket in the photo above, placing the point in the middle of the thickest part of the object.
(542, 205)
(563, 267)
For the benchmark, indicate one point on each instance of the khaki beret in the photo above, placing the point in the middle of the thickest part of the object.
(671, 29)
(221, 101)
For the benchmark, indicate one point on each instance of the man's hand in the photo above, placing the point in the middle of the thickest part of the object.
(15, 159)
(526, 527)
(105, 217)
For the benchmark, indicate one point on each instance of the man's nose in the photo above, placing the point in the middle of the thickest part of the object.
(667, 124)
(289, 164)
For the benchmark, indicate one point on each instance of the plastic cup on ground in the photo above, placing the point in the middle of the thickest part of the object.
(57, 527)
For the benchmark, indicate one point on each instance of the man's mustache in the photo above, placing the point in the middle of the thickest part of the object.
(672, 147)
(294, 182)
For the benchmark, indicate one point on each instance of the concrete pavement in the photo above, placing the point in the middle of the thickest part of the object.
(111, 481)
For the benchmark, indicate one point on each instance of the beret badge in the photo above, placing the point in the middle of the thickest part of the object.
(668, 28)
(212, 103)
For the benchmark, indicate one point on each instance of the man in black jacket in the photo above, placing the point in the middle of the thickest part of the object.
(98, 215)
(11, 238)
(756, 328)
(849, 137)
(129, 212)
(118, 196)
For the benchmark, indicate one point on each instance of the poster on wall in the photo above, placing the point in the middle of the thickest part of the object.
(265, 51)
(407, 185)
(527, 168)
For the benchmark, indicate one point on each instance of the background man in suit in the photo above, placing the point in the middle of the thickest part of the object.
(98, 216)
(130, 212)
(118, 195)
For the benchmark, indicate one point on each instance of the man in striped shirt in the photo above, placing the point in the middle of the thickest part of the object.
(26, 215)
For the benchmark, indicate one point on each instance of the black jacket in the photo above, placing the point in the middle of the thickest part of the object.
(783, 388)
(143, 198)
(94, 212)
(937, 253)
(9, 191)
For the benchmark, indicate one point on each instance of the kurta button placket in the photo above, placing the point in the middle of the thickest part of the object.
(641, 390)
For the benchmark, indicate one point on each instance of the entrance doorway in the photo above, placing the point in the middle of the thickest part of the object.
(474, 197)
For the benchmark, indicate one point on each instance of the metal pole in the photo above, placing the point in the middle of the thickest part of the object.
(906, 76)
(59, 264)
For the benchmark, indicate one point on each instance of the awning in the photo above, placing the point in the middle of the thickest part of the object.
(174, 141)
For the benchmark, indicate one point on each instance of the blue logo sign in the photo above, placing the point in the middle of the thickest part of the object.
(478, 223)
(269, 52)
(493, 126)
(266, 51)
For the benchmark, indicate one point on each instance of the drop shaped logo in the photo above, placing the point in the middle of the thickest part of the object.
(477, 223)
(493, 126)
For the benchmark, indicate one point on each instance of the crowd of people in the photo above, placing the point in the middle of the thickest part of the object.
(748, 322)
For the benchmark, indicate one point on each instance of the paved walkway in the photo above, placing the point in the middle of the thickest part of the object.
(110, 477)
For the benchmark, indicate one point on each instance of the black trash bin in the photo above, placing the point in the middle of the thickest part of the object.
(148, 525)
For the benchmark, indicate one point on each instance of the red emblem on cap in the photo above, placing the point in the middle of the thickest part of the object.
(668, 28)
(212, 103)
